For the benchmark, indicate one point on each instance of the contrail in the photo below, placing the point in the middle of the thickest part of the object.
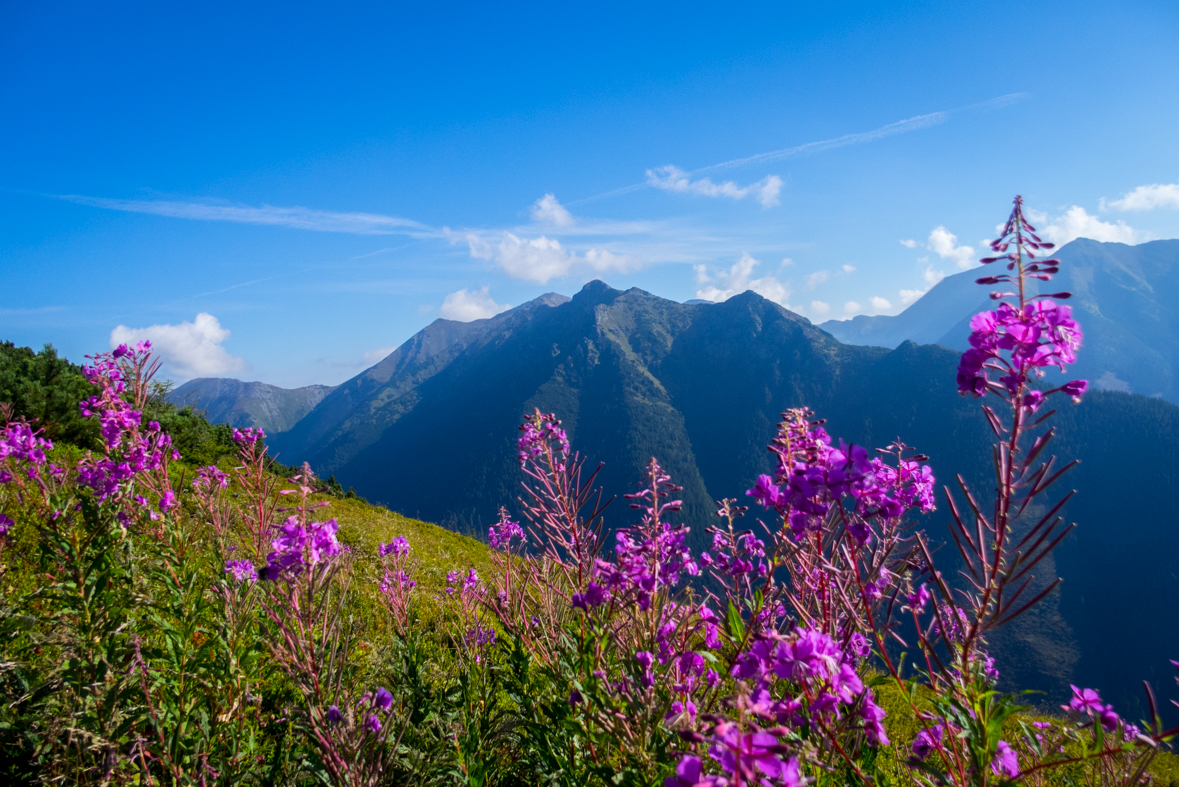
(892, 129)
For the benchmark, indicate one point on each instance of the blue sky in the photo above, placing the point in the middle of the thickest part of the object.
(284, 192)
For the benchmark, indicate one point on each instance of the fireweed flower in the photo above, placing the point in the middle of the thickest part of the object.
(242, 570)
(542, 433)
(1005, 763)
(298, 546)
(1014, 343)
(334, 716)
(244, 436)
(397, 547)
(383, 700)
(506, 536)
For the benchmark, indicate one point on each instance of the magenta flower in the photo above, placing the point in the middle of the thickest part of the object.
(927, 742)
(242, 570)
(334, 716)
(383, 699)
(1085, 701)
(1005, 763)
(374, 724)
(5, 525)
(397, 547)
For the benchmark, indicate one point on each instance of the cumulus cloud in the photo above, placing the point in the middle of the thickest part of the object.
(820, 308)
(724, 284)
(944, 244)
(467, 305)
(671, 178)
(379, 354)
(849, 268)
(548, 210)
(1147, 198)
(190, 349)
(541, 259)
(880, 304)
(1077, 223)
(851, 307)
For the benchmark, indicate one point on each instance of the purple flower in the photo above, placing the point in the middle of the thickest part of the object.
(1075, 388)
(397, 547)
(927, 742)
(767, 493)
(374, 723)
(242, 570)
(5, 525)
(687, 774)
(168, 501)
(334, 716)
(1085, 701)
(506, 536)
(1005, 762)
(918, 600)
(594, 596)
(383, 699)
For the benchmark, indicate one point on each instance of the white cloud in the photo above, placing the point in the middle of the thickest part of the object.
(467, 305)
(849, 268)
(910, 244)
(295, 217)
(672, 178)
(722, 285)
(1077, 223)
(820, 308)
(548, 210)
(880, 304)
(1147, 198)
(541, 259)
(945, 244)
(851, 307)
(815, 279)
(910, 296)
(786, 262)
(190, 349)
(379, 354)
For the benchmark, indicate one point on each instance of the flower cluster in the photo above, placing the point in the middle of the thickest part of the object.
(813, 475)
(299, 546)
(506, 535)
(18, 442)
(750, 756)
(209, 478)
(249, 435)
(1013, 344)
(824, 676)
(1087, 702)
(542, 434)
(241, 570)
(131, 449)
(647, 557)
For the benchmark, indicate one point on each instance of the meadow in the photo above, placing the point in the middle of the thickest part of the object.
(179, 608)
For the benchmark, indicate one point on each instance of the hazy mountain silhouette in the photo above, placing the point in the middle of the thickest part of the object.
(243, 404)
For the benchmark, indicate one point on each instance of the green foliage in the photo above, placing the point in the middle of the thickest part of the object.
(44, 388)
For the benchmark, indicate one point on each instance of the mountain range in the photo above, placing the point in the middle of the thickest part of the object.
(430, 431)
(244, 404)
(1124, 297)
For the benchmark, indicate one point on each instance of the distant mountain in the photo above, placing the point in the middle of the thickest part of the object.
(244, 404)
(431, 430)
(1124, 296)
